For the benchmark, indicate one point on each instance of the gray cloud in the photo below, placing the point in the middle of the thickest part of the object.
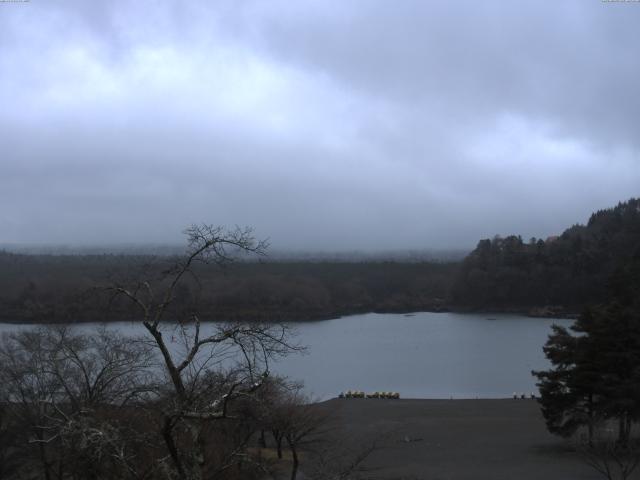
(334, 125)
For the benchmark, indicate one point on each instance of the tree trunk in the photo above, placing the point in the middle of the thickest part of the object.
(262, 441)
(278, 438)
(591, 420)
(624, 428)
(43, 458)
(294, 456)
(620, 430)
(167, 434)
(176, 379)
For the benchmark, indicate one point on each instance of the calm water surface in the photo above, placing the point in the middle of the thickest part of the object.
(422, 355)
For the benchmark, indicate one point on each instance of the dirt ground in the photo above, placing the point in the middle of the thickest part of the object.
(458, 440)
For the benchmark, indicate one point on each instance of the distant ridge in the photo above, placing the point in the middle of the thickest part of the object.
(278, 255)
(115, 249)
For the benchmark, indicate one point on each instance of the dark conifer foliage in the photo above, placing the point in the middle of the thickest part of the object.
(595, 374)
(572, 270)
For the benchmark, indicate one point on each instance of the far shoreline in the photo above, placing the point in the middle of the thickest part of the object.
(534, 312)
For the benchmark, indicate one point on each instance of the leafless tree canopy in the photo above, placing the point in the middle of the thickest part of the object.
(604, 452)
(183, 402)
(59, 388)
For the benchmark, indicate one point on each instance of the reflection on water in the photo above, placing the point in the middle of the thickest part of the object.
(422, 355)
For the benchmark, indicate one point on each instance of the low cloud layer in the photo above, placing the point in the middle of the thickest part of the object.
(325, 125)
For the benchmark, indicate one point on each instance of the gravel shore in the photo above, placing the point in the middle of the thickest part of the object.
(459, 439)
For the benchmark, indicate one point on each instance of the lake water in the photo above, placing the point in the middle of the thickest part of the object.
(422, 355)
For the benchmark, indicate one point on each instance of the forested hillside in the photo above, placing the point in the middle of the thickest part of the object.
(559, 273)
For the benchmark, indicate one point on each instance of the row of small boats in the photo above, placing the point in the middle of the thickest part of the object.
(360, 394)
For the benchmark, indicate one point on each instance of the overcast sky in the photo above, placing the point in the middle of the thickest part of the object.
(323, 124)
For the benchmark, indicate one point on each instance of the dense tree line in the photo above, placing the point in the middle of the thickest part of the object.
(569, 271)
(552, 276)
(50, 288)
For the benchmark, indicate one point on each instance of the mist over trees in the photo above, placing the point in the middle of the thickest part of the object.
(547, 277)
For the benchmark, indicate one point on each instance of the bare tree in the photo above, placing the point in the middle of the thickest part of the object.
(272, 410)
(179, 403)
(209, 373)
(9, 434)
(292, 417)
(303, 427)
(56, 383)
(613, 459)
